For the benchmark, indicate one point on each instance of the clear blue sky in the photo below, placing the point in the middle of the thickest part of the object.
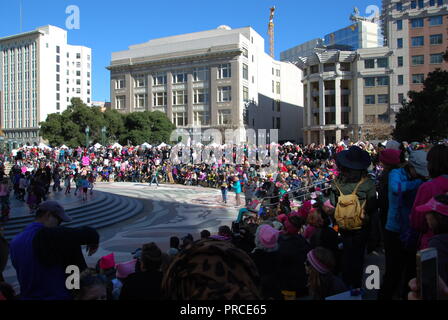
(108, 26)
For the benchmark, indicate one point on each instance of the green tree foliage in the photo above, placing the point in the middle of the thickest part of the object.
(425, 115)
(136, 128)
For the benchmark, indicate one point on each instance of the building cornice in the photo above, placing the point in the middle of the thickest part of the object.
(174, 60)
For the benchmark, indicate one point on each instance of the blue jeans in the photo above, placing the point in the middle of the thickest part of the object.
(154, 179)
(224, 195)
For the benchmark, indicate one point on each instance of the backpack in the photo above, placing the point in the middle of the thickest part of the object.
(349, 212)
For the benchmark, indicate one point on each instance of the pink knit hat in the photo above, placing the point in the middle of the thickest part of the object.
(125, 269)
(107, 262)
(268, 236)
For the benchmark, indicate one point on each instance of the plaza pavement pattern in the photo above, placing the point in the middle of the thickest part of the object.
(162, 212)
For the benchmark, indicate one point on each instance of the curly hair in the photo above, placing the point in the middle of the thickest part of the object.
(438, 161)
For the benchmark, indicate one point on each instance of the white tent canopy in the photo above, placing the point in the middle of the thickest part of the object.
(64, 146)
(97, 146)
(116, 145)
(162, 145)
(288, 144)
(43, 146)
(146, 145)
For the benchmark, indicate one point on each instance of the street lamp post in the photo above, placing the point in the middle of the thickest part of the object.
(87, 136)
(103, 135)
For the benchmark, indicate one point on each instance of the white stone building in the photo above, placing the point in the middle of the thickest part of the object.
(39, 74)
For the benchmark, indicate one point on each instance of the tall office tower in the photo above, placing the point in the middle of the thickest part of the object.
(39, 74)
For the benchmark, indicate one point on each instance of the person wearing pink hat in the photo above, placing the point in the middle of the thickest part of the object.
(123, 270)
(265, 256)
(436, 214)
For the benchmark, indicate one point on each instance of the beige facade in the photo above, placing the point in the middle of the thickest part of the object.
(345, 93)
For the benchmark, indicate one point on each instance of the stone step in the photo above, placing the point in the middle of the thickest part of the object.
(114, 209)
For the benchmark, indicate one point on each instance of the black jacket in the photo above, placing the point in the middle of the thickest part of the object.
(62, 245)
(142, 286)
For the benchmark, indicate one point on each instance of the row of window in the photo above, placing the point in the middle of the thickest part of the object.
(380, 63)
(78, 55)
(435, 39)
(433, 59)
(376, 81)
(378, 99)
(420, 22)
(180, 97)
(420, 4)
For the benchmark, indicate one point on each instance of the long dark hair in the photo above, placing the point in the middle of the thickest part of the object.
(438, 161)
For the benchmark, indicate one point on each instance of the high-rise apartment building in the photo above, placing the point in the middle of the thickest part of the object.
(417, 32)
(220, 78)
(39, 74)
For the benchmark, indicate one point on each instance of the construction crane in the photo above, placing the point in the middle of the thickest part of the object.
(271, 32)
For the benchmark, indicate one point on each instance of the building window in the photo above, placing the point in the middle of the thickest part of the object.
(245, 94)
(417, 23)
(160, 99)
(277, 106)
(277, 86)
(399, 6)
(436, 39)
(78, 56)
(58, 97)
(58, 78)
(200, 74)
(88, 83)
(58, 59)
(58, 49)
(224, 94)
(383, 98)
(400, 80)
(421, 4)
(58, 69)
(400, 43)
(399, 24)
(78, 90)
(418, 60)
(400, 61)
(78, 64)
(382, 81)
(273, 86)
(58, 87)
(369, 64)
(201, 118)
(140, 81)
(224, 71)
(400, 98)
(370, 99)
(245, 71)
(140, 100)
(418, 41)
(88, 74)
(180, 97)
(120, 102)
(159, 79)
(437, 58)
(245, 52)
(369, 82)
(277, 72)
(414, 4)
(180, 119)
(436, 21)
(224, 117)
(418, 78)
(120, 84)
(78, 82)
(88, 57)
(314, 69)
(440, 2)
(383, 63)
(78, 73)
(345, 66)
(179, 77)
(200, 96)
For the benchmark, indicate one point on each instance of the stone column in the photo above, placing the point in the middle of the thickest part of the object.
(169, 95)
(321, 136)
(150, 102)
(237, 104)
(129, 93)
(190, 93)
(321, 102)
(309, 106)
(213, 96)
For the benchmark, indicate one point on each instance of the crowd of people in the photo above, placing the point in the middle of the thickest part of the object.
(304, 231)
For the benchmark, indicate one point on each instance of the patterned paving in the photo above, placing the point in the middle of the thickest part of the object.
(167, 210)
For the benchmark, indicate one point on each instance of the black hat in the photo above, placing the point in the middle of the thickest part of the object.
(354, 158)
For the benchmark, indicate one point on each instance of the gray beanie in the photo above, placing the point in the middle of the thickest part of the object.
(392, 144)
(418, 160)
